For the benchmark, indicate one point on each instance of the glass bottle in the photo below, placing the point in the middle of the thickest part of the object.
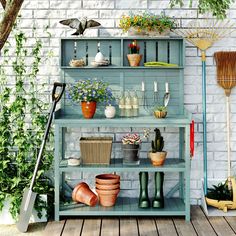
(135, 104)
(128, 105)
(122, 105)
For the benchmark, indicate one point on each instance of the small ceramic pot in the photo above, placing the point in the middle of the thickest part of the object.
(107, 179)
(107, 186)
(110, 112)
(158, 158)
(160, 114)
(130, 154)
(134, 59)
(107, 198)
(82, 193)
(88, 109)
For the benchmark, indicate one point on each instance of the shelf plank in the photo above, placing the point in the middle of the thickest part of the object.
(73, 227)
(123, 67)
(127, 207)
(128, 226)
(170, 165)
(110, 227)
(147, 227)
(70, 120)
(91, 227)
(165, 227)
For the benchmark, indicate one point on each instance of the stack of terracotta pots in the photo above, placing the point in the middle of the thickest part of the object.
(108, 188)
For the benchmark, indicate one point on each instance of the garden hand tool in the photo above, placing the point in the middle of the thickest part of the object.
(166, 98)
(29, 196)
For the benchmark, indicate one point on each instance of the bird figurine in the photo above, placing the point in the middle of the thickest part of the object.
(80, 24)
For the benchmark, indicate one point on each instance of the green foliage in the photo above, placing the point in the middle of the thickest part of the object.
(220, 192)
(147, 21)
(158, 143)
(218, 8)
(160, 108)
(22, 124)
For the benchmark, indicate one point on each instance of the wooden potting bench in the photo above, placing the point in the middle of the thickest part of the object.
(122, 77)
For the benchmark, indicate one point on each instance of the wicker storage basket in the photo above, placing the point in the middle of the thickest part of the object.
(96, 150)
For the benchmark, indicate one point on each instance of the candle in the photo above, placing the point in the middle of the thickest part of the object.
(143, 86)
(167, 87)
(155, 86)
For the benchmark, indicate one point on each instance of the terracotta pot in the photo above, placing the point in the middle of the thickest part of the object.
(107, 198)
(88, 109)
(82, 193)
(107, 179)
(160, 114)
(158, 158)
(134, 59)
(107, 186)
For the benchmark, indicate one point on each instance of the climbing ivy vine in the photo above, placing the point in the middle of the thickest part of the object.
(23, 118)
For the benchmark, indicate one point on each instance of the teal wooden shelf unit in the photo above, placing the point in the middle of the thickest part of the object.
(122, 77)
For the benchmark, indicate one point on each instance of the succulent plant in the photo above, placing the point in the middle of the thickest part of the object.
(158, 143)
(160, 108)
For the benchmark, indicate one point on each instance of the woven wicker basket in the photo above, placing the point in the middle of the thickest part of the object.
(96, 150)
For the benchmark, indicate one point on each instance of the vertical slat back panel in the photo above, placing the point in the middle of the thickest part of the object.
(175, 52)
(162, 51)
(81, 50)
(92, 50)
(151, 50)
(67, 51)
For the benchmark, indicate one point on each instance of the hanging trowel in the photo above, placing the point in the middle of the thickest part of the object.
(166, 98)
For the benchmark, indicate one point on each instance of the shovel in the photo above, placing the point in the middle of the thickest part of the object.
(28, 195)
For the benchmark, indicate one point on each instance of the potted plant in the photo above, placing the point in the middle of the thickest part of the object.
(157, 156)
(131, 145)
(147, 24)
(88, 92)
(160, 111)
(134, 57)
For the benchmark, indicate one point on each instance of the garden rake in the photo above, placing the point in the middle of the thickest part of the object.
(203, 34)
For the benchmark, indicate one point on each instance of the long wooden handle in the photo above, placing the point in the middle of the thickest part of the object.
(228, 136)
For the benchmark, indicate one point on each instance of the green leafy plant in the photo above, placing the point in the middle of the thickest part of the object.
(158, 142)
(160, 108)
(22, 114)
(90, 90)
(146, 21)
(220, 192)
(218, 8)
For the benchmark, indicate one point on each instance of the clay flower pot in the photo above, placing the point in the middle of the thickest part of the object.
(82, 193)
(88, 109)
(160, 114)
(107, 179)
(107, 186)
(134, 59)
(158, 158)
(107, 198)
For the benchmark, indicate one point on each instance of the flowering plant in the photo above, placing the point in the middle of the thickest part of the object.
(131, 139)
(134, 47)
(146, 21)
(90, 90)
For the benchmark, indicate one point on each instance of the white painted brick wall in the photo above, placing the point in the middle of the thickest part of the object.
(108, 12)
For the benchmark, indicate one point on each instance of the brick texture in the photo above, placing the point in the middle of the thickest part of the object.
(48, 13)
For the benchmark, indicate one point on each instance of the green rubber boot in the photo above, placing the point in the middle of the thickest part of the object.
(143, 197)
(158, 201)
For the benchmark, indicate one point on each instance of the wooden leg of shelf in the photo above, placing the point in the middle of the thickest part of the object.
(181, 156)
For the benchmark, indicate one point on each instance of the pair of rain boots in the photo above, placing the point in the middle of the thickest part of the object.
(158, 201)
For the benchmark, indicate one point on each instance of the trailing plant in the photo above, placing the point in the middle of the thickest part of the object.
(220, 192)
(27, 121)
(158, 143)
(218, 8)
(146, 21)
